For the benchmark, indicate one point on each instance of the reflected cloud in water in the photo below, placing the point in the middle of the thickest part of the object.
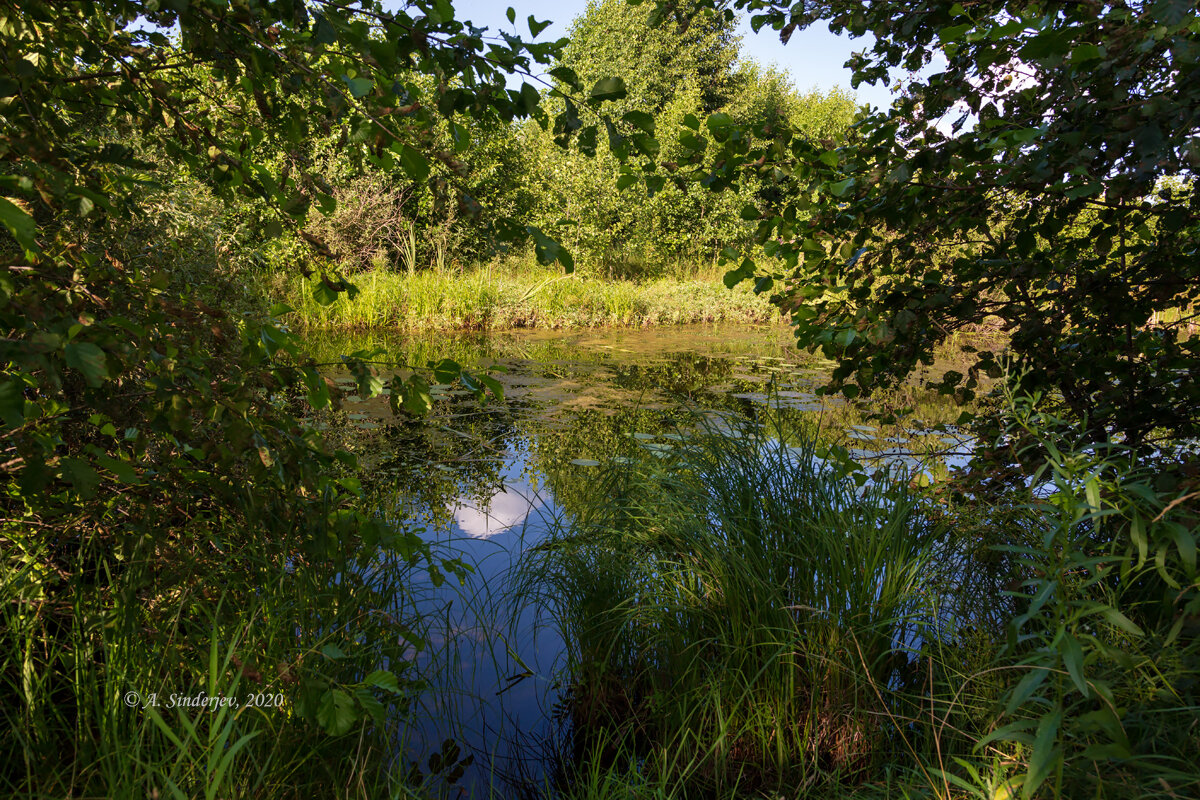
(503, 511)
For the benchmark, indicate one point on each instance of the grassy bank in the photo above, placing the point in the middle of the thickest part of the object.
(522, 294)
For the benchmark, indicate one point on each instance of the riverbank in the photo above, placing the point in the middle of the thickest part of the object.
(516, 295)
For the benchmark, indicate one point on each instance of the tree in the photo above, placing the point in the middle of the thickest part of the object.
(612, 37)
(150, 444)
(674, 76)
(1040, 181)
(90, 338)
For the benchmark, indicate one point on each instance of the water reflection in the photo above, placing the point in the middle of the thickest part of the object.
(506, 509)
(485, 484)
(490, 664)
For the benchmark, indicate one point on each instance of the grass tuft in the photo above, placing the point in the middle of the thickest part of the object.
(518, 294)
(740, 614)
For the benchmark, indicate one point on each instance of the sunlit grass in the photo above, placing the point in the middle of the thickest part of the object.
(522, 294)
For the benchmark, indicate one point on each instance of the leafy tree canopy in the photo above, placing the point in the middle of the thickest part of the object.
(127, 408)
(612, 37)
(1041, 179)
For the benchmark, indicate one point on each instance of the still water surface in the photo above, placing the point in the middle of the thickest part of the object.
(484, 484)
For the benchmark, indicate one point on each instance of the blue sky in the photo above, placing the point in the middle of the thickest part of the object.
(813, 57)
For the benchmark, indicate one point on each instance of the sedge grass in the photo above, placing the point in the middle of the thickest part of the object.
(522, 295)
(87, 651)
(740, 615)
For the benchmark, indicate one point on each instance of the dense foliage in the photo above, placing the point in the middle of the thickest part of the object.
(155, 452)
(171, 517)
(1058, 145)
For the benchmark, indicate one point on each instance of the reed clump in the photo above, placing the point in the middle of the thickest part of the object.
(739, 611)
(749, 613)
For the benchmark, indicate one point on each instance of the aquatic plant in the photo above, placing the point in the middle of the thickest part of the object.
(738, 611)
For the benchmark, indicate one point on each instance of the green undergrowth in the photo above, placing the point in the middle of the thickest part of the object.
(735, 612)
(522, 295)
(748, 614)
(215, 662)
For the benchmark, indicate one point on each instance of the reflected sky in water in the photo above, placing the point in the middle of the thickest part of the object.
(477, 482)
(493, 662)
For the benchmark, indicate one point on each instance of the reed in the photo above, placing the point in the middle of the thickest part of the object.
(522, 294)
(741, 615)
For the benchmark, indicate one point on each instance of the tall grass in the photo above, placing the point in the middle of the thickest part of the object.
(739, 613)
(748, 615)
(91, 655)
(521, 294)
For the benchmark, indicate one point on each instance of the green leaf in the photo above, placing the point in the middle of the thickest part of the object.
(1047, 45)
(415, 165)
(19, 224)
(587, 141)
(323, 32)
(719, 125)
(88, 359)
(359, 87)
(80, 475)
(1072, 656)
(382, 679)
(840, 188)
(123, 470)
(529, 98)
(324, 293)
(608, 89)
(1012, 732)
(1185, 542)
(336, 712)
(567, 76)
(548, 251)
(640, 119)
(1045, 755)
(1085, 190)
(536, 27)
(12, 403)
(646, 145)
(370, 704)
(566, 123)
(1025, 688)
(442, 11)
(493, 385)
(954, 32)
(1084, 53)
(415, 397)
(446, 371)
(318, 390)
(1115, 617)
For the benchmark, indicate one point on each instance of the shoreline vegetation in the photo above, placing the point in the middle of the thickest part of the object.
(794, 602)
(517, 294)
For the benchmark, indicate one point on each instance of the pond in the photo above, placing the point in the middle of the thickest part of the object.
(485, 483)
